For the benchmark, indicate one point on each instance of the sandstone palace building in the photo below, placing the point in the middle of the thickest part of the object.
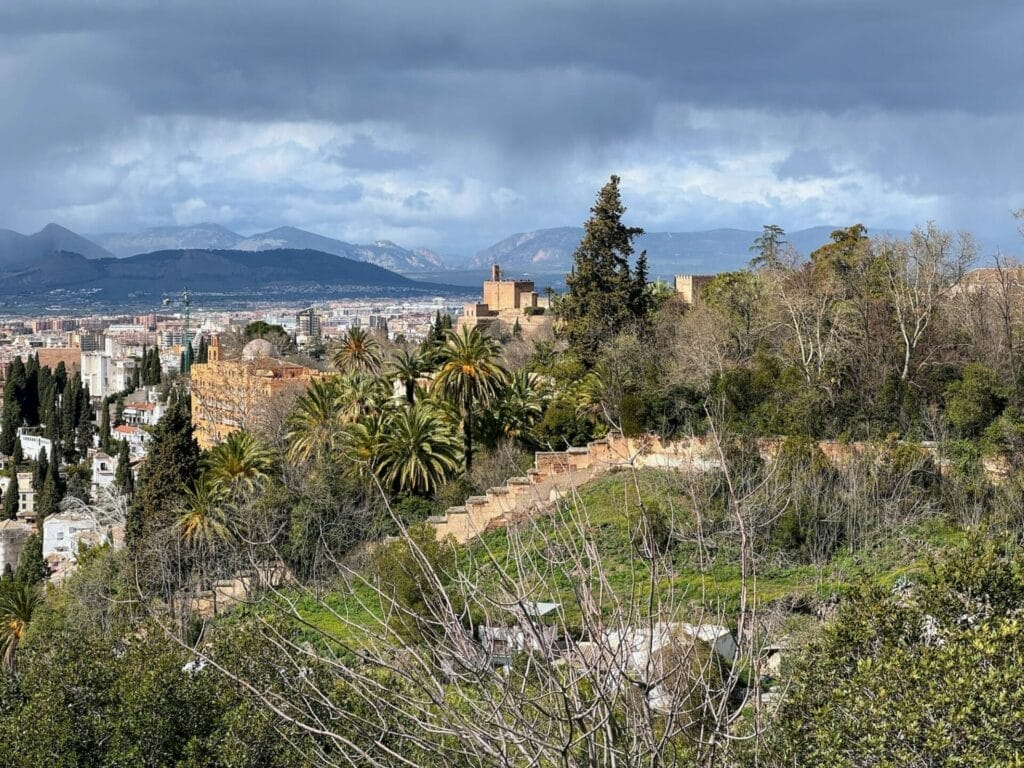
(229, 395)
(507, 302)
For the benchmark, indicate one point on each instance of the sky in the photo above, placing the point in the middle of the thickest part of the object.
(451, 125)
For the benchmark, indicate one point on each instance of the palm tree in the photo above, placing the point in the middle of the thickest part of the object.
(238, 465)
(407, 367)
(360, 393)
(203, 520)
(469, 374)
(315, 422)
(589, 394)
(359, 351)
(360, 443)
(18, 602)
(521, 404)
(418, 450)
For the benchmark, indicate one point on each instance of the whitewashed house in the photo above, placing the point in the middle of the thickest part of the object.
(62, 534)
(143, 414)
(104, 469)
(136, 437)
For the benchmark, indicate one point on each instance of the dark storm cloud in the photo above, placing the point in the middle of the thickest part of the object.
(802, 164)
(522, 106)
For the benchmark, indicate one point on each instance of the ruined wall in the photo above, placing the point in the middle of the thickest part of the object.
(555, 472)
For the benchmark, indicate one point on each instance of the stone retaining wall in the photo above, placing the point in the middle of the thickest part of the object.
(555, 472)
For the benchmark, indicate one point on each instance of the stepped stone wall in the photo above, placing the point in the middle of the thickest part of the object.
(555, 472)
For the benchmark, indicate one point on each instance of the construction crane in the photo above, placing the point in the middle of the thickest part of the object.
(186, 342)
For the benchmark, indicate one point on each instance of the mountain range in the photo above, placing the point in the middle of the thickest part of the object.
(709, 251)
(222, 275)
(545, 254)
(383, 253)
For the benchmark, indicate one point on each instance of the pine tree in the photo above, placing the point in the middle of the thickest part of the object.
(768, 246)
(124, 481)
(12, 498)
(604, 297)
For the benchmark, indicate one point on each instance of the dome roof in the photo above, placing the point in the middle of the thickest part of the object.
(258, 348)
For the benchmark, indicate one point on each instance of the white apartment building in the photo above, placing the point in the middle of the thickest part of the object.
(106, 375)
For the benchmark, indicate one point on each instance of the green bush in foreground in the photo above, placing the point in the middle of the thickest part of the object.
(925, 675)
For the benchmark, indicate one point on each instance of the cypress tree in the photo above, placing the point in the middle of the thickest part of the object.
(51, 413)
(29, 395)
(60, 377)
(17, 456)
(11, 418)
(12, 498)
(31, 566)
(48, 502)
(124, 481)
(153, 366)
(171, 463)
(44, 394)
(41, 471)
(105, 441)
(71, 408)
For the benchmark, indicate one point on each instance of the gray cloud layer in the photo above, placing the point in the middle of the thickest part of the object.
(452, 124)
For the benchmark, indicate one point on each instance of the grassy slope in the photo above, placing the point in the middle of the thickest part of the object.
(609, 509)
